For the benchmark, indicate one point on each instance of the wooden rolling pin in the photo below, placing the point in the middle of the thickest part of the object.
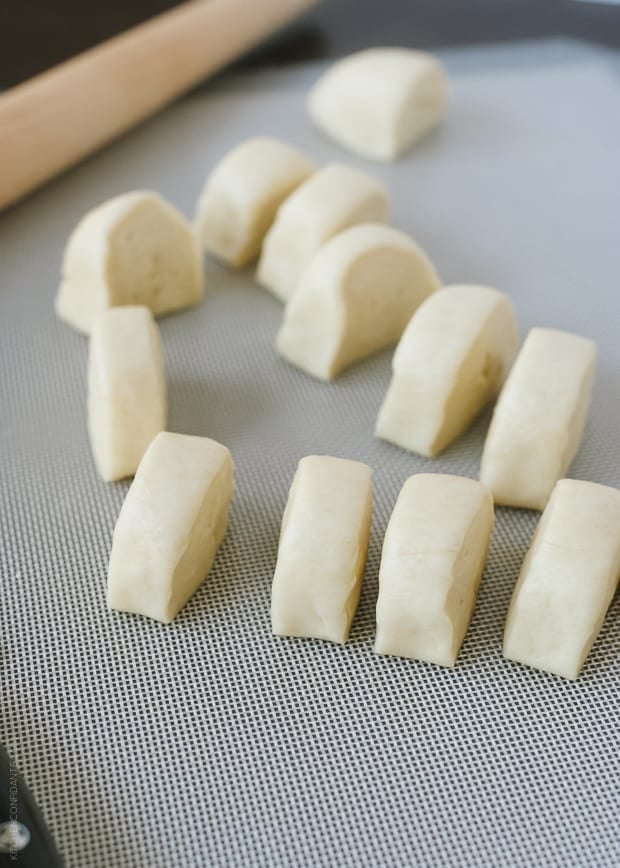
(53, 120)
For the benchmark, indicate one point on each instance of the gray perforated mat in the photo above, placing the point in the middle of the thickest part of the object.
(208, 742)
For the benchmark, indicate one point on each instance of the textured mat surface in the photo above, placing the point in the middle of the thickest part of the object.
(209, 742)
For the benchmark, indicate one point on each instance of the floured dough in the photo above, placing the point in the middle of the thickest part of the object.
(539, 418)
(450, 362)
(323, 547)
(434, 553)
(331, 200)
(170, 526)
(355, 297)
(378, 102)
(243, 193)
(567, 581)
(134, 249)
(126, 388)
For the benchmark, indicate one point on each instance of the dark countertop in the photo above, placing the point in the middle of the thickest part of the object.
(36, 34)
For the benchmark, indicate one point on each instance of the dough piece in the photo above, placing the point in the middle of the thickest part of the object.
(355, 297)
(323, 547)
(451, 361)
(378, 102)
(126, 389)
(567, 581)
(133, 249)
(170, 526)
(434, 553)
(242, 195)
(331, 200)
(539, 419)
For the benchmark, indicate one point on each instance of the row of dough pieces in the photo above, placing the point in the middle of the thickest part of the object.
(358, 289)
(434, 553)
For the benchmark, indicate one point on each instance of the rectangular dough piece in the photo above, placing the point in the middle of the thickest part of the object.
(170, 526)
(434, 554)
(323, 548)
(539, 418)
(567, 580)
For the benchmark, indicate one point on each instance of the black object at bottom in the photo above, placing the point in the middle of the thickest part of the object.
(24, 838)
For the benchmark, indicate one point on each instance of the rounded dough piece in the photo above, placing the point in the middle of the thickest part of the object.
(450, 362)
(331, 200)
(135, 249)
(378, 102)
(355, 297)
(242, 194)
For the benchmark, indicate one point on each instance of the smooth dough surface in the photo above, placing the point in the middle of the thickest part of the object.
(567, 581)
(323, 548)
(331, 200)
(355, 297)
(433, 557)
(378, 102)
(539, 418)
(242, 194)
(450, 362)
(170, 526)
(126, 389)
(135, 249)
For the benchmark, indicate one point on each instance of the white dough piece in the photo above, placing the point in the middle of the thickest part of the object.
(323, 548)
(242, 194)
(355, 297)
(134, 249)
(567, 581)
(329, 201)
(539, 418)
(450, 362)
(434, 554)
(378, 102)
(170, 526)
(126, 389)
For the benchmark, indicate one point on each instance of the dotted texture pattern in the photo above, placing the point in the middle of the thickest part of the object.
(209, 742)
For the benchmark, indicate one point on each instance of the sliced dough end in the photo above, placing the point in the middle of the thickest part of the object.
(331, 200)
(355, 298)
(135, 249)
(170, 526)
(322, 551)
(450, 362)
(433, 557)
(242, 194)
(126, 389)
(567, 580)
(539, 419)
(376, 103)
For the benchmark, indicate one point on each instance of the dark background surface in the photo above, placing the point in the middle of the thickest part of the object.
(36, 34)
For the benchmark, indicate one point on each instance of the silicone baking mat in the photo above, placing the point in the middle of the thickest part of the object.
(208, 741)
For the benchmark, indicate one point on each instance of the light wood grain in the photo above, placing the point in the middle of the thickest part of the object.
(50, 122)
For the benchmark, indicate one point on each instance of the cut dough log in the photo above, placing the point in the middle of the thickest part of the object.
(170, 526)
(328, 202)
(126, 389)
(539, 419)
(567, 581)
(323, 547)
(355, 297)
(242, 195)
(434, 553)
(377, 102)
(450, 362)
(134, 249)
